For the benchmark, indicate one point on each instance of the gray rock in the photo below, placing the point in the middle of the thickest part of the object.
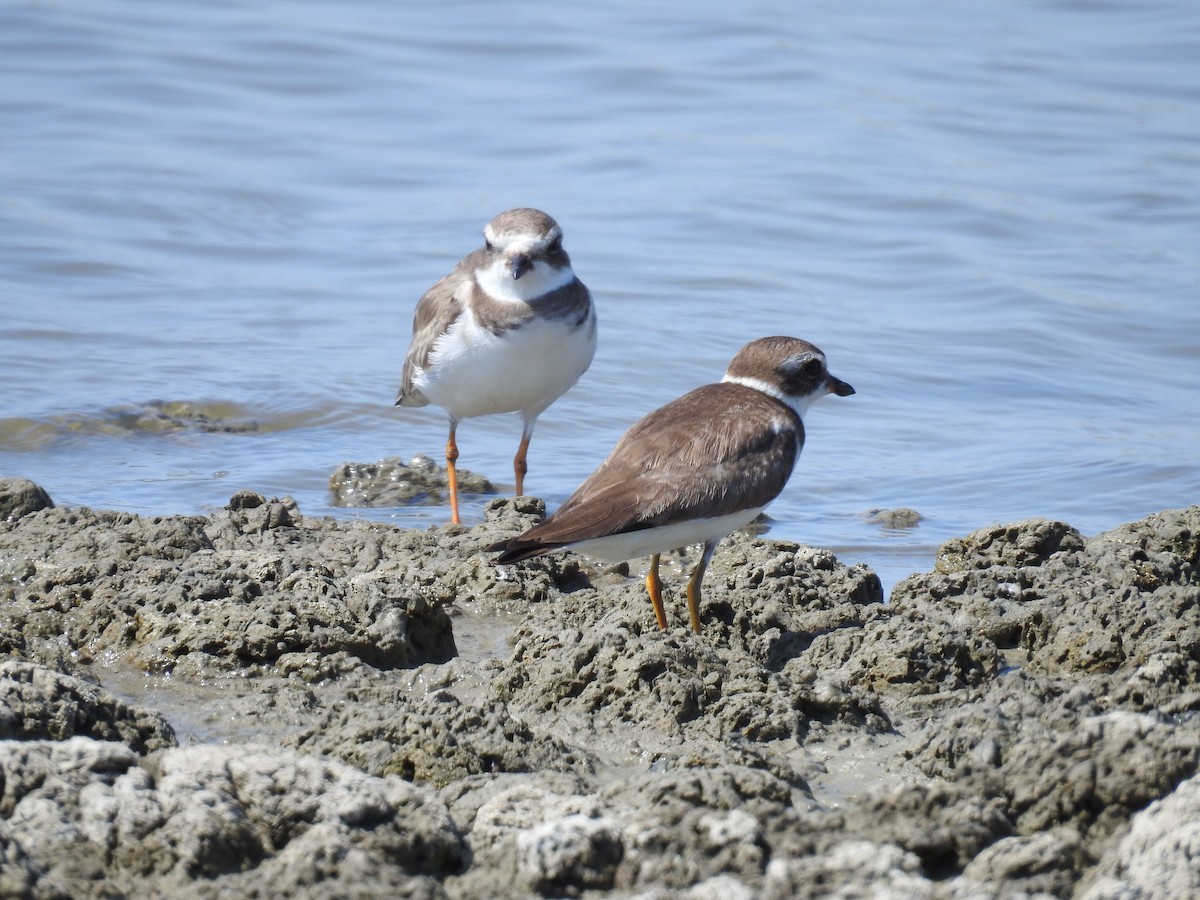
(685, 826)
(1019, 722)
(217, 821)
(1159, 856)
(534, 839)
(392, 482)
(19, 497)
(720, 887)
(1060, 604)
(37, 703)
(899, 519)
(437, 739)
(1040, 864)
(1061, 760)
(238, 591)
(45, 812)
(601, 657)
(576, 851)
(160, 416)
(851, 869)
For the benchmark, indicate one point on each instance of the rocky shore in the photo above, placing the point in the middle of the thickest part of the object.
(257, 703)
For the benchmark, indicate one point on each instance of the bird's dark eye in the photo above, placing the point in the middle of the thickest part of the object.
(487, 245)
(813, 367)
(555, 245)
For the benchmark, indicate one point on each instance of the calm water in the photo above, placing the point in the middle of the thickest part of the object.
(987, 214)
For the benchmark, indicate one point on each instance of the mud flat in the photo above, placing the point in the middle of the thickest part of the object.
(257, 703)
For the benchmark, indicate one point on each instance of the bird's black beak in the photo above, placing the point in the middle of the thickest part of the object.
(839, 387)
(519, 264)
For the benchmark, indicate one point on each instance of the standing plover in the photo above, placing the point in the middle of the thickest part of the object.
(694, 470)
(509, 330)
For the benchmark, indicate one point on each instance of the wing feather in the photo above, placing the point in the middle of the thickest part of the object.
(438, 309)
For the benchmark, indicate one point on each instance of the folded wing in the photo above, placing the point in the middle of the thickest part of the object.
(674, 465)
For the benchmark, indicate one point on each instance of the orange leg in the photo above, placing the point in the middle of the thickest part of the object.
(693, 595)
(452, 474)
(520, 467)
(654, 589)
(693, 588)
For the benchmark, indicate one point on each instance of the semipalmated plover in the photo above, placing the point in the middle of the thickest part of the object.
(694, 470)
(509, 330)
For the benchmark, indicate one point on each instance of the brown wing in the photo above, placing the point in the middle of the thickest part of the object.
(676, 464)
(436, 311)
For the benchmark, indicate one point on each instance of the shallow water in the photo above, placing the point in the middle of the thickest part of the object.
(986, 216)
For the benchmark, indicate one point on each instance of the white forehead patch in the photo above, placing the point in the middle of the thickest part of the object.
(796, 362)
(521, 241)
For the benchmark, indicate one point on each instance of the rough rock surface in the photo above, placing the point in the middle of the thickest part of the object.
(392, 482)
(1159, 855)
(19, 496)
(246, 590)
(37, 703)
(365, 710)
(90, 817)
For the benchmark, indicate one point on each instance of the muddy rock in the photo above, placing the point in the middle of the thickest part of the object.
(943, 825)
(902, 652)
(683, 826)
(19, 496)
(899, 519)
(612, 668)
(38, 703)
(215, 821)
(1109, 605)
(237, 591)
(1042, 864)
(550, 842)
(1059, 760)
(369, 710)
(161, 416)
(392, 482)
(857, 868)
(436, 739)
(1159, 856)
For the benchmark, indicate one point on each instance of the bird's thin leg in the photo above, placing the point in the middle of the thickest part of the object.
(693, 588)
(654, 589)
(452, 474)
(520, 467)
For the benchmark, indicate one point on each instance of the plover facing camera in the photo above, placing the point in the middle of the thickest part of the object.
(511, 329)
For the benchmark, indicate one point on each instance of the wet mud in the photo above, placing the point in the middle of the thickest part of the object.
(260, 703)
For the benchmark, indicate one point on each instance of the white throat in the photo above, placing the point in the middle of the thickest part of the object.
(799, 404)
(541, 279)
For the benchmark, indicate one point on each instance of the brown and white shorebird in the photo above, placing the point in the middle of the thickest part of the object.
(511, 329)
(694, 470)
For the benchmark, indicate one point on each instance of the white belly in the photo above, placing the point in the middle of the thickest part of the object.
(648, 541)
(473, 372)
